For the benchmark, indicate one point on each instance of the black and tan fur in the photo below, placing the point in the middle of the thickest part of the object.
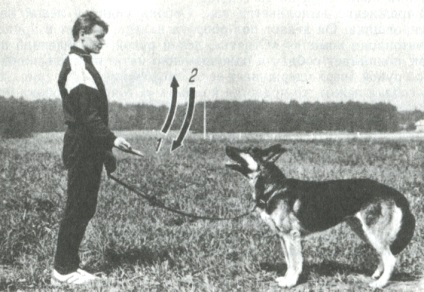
(294, 208)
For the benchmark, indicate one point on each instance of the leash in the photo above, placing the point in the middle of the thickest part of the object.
(157, 203)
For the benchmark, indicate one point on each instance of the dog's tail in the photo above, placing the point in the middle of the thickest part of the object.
(406, 229)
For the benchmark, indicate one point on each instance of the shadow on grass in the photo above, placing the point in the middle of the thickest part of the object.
(331, 268)
(135, 256)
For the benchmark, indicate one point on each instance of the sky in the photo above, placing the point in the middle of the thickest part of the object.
(309, 51)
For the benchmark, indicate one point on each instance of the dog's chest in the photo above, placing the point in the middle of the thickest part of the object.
(281, 219)
(268, 220)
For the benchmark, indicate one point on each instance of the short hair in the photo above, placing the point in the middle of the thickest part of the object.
(86, 22)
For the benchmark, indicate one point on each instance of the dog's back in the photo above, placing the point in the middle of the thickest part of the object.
(321, 205)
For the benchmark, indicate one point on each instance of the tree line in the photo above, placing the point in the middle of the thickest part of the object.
(20, 117)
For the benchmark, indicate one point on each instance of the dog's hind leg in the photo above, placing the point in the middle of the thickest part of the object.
(379, 271)
(292, 243)
(389, 262)
(356, 226)
(381, 222)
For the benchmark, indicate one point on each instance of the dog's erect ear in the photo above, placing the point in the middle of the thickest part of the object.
(272, 153)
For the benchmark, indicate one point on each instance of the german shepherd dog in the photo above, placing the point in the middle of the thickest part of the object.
(294, 208)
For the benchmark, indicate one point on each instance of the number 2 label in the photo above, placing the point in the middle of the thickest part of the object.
(194, 72)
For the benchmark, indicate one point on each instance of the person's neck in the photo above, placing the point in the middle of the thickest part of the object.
(79, 45)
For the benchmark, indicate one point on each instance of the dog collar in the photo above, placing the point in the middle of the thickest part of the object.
(261, 203)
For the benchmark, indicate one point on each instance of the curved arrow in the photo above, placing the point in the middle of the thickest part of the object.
(171, 113)
(189, 116)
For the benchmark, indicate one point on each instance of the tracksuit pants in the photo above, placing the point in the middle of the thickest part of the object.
(84, 174)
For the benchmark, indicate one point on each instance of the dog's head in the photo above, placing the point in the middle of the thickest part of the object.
(252, 160)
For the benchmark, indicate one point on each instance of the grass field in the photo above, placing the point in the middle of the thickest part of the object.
(142, 248)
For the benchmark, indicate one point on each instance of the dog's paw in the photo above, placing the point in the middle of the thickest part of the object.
(377, 274)
(286, 281)
(378, 284)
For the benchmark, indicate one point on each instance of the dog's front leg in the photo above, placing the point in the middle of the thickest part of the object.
(292, 247)
(285, 252)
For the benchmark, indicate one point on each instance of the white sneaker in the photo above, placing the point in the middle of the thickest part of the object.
(75, 278)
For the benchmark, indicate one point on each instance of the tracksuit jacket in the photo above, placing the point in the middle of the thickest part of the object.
(85, 107)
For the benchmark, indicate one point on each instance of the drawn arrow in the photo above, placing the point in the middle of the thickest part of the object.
(171, 113)
(189, 116)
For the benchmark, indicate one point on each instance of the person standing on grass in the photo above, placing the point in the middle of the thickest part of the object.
(88, 143)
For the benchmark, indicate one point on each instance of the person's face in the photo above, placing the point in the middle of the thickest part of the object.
(93, 41)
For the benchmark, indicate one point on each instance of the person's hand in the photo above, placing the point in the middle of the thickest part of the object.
(110, 162)
(122, 144)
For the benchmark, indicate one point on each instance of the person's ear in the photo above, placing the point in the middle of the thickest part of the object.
(81, 34)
